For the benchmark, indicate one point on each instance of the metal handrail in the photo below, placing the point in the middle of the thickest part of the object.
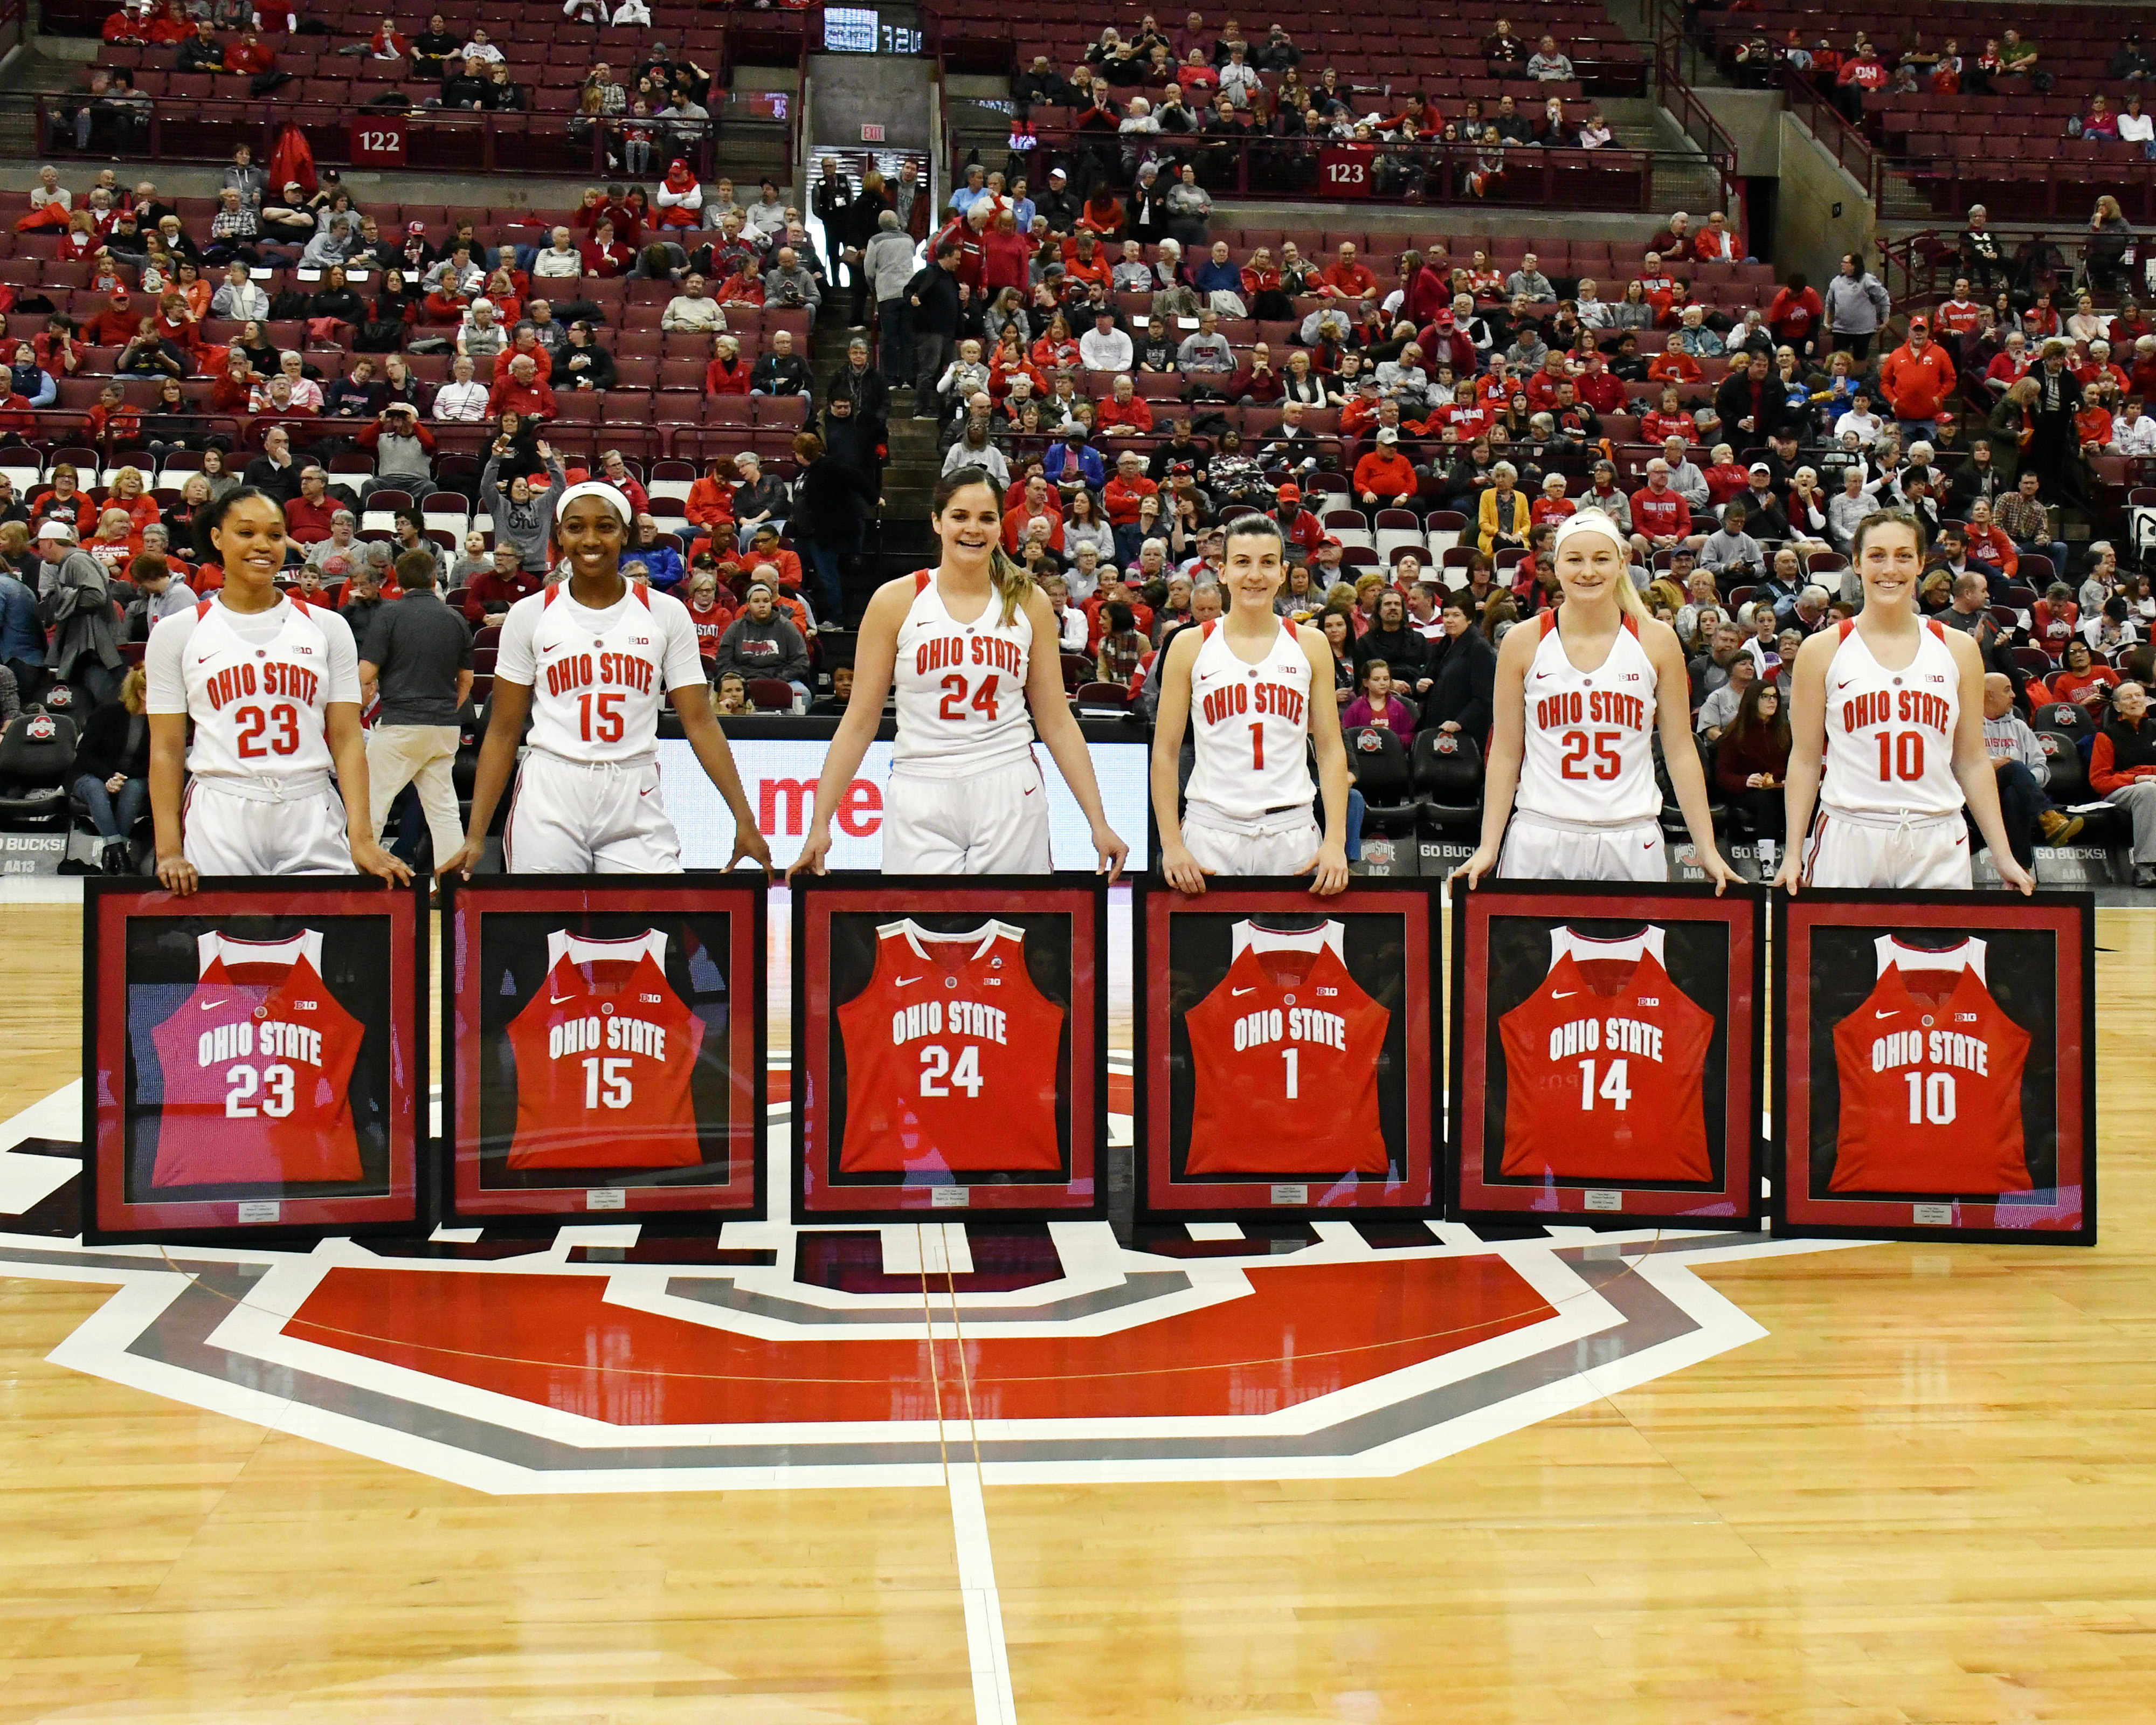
(1265, 166)
(1859, 157)
(1698, 123)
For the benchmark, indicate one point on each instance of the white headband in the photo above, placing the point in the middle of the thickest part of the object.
(1588, 520)
(601, 490)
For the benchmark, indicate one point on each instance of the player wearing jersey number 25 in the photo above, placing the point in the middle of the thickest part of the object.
(1571, 770)
(1886, 724)
(1247, 678)
(969, 647)
(260, 802)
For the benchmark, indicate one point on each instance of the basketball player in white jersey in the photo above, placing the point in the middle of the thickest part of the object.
(588, 660)
(958, 644)
(1886, 728)
(1244, 679)
(1580, 693)
(272, 688)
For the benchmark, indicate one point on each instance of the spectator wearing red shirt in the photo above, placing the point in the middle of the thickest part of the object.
(1112, 589)
(1084, 261)
(1384, 477)
(2008, 366)
(525, 344)
(1727, 478)
(708, 612)
(1552, 507)
(1667, 419)
(1302, 529)
(728, 373)
(1038, 498)
(605, 255)
(1959, 315)
(1918, 381)
(115, 325)
(1661, 520)
(1543, 382)
(1006, 255)
(1446, 344)
(1673, 365)
(1987, 544)
(1346, 278)
(1121, 496)
(521, 392)
(308, 516)
(2123, 770)
(1125, 413)
(250, 55)
(1601, 389)
(492, 592)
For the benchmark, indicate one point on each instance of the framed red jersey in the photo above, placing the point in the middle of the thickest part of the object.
(950, 1047)
(1607, 1054)
(604, 1051)
(254, 1060)
(1938, 1074)
(1283, 1063)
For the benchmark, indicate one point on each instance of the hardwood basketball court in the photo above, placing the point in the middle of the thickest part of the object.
(1922, 1494)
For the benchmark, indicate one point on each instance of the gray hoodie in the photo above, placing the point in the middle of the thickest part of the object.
(773, 648)
(1855, 305)
(528, 525)
(74, 595)
(888, 258)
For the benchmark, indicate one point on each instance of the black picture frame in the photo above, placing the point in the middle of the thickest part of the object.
(468, 1198)
(1164, 1195)
(821, 1192)
(1828, 928)
(112, 1214)
(1477, 1190)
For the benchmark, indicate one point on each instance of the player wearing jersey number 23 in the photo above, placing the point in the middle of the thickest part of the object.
(970, 648)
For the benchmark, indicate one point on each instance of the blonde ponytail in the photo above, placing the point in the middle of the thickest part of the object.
(1013, 586)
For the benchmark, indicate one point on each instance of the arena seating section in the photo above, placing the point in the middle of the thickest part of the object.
(2009, 148)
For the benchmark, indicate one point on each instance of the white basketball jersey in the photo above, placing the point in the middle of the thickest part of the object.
(1890, 733)
(1589, 739)
(598, 677)
(960, 687)
(258, 706)
(1249, 726)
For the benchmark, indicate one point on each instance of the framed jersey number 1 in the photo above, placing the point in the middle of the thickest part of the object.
(950, 1047)
(1938, 1074)
(1284, 1051)
(605, 1047)
(1607, 1054)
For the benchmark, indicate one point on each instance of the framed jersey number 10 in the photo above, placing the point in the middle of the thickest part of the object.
(1606, 1052)
(1283, 1051)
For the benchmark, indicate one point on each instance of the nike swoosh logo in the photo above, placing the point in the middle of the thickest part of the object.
(1238, 993)
(1030, 789)
(904, 980)
(1564, 994)
(211, 1005)
(560, 999)
(1877, 1014)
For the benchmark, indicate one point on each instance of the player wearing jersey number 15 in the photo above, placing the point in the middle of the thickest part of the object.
(1245, 679)
(971, 650)
(1886, 729)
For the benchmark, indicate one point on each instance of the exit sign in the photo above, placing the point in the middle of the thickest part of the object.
(871, 134)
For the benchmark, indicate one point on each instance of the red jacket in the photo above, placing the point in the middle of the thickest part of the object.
(1133, 413)
(2104, 774)
(1121, 500)
(1005, 259)
(542, 362)
(727, 377)
(1917, 385)
(1386, 472)
(1794, 316)
(1663, 516)
(531, 400)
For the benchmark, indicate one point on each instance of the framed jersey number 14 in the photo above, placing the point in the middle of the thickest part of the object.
(1606, 1052)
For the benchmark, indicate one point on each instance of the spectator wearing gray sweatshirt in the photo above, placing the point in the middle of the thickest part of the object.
(760, 642)
(1856, 307)
(1730, 550)
(525, 521)
(403, 454)
(1207, 351)
(887, 261)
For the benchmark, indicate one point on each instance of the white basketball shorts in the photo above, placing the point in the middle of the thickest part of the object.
(247, 828)
(565, 818)
(994, 822)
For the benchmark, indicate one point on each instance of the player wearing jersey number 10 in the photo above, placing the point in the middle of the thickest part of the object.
(969, 647)
(588, 661)
(1886, 727)
(272, 688)
(1246, 679)
(1579, 698)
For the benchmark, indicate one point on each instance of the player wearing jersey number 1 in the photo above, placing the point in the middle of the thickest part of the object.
(271, 687)
(1886, 728)
(1246, 679)
(1580, 696)
(969, 647)
(588, 661)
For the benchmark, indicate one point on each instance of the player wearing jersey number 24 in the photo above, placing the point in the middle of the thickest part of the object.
(1245, 680)
(1886, 724)
(1578, 703)
(271, 687)
(969, 647)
